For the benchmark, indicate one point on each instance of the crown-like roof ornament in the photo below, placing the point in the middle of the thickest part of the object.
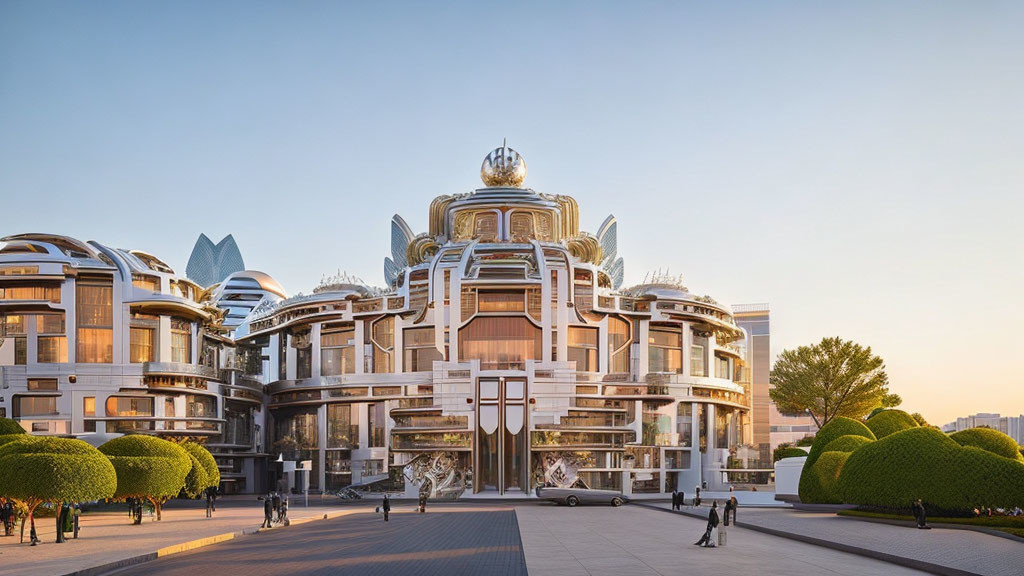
(503, 167)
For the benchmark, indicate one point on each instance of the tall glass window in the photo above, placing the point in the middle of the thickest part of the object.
(582, 348)
(337, 352)
(129, 406)
(341, 429)
(13, 328)
(383, 336)
(684, 423)
(303, 354)
(721, 367)
(94, 313)
(420, 350)
(618, 345)
(142, 344)
(181, 341)
(697, 361)
(52, 343)
(375, 425)
(665, 349)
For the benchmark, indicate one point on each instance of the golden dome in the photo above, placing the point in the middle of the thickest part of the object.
(503, 167)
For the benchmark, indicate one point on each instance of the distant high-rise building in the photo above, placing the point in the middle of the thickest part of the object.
(754, 318)
(210, 263)
(1012, 426)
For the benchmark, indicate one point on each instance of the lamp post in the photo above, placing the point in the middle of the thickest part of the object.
(813, 417)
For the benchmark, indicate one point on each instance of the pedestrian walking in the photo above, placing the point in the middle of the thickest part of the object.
(735, 506)
(675, 499)
(284, 512)
(277, 505)
(268, 511)
(386, 507)
(211, 501)
(707, 539)
(77, 514)
(920, 516)
(696, 498)
(5, 517)
(728, 509)
(32, 532)
(423, 502)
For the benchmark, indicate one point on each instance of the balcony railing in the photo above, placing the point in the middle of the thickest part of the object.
(180, 368)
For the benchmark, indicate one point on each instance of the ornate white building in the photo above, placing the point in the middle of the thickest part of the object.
(502, 355)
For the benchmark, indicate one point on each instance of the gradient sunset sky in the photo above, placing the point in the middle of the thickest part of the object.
(856, 165)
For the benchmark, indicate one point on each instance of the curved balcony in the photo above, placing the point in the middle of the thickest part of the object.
(179, 369)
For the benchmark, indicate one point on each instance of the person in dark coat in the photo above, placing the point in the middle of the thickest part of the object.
(675, 499)
(735, 506)
(211, 501)
(277, 505)
(696, 499)
(705, 540)
(728, 509)
(284, 512)
(386, 507)
(920, 515)
(423, 502)
(5, 517)
(268, 511)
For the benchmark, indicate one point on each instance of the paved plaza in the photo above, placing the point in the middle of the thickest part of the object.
(965, 550)
(638, 541)
(488, 537)
(449, 539)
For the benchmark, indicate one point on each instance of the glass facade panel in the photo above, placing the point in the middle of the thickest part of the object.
(500, 343)
(665, 350)
(341, 429)
(142, 344)
(618, 345)
(181, 341)
(684, 423)
(420, 351)
(129, 406)
(52, 350)
(375, 425)
(384, 344)
(582, 348)
(337, 352)
(94, 316)
(697, 361)
(501, 301)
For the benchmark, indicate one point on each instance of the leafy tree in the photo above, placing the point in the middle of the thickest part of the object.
(148, 467)
(38, 469)
(196, 481)
(8, 426)
(832, 378)
(919, 419)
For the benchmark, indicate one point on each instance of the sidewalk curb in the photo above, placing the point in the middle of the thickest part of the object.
(891, 558)
(195, 544)
(910, 524)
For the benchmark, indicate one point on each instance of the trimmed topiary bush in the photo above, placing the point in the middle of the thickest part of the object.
(197, 480)
(206, 459)
(148, 467)
(835, 429)
(5, 438)
(990, 440)
(925, 463)
(847, 443)
(820, 487)
(889, 422)
(38, 469)
(8, 426)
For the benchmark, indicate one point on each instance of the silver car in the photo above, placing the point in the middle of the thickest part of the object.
(576, 496)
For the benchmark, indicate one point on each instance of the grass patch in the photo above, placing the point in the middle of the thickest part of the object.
(1009, 524)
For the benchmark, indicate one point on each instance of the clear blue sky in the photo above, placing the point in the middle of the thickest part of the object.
(857, 165)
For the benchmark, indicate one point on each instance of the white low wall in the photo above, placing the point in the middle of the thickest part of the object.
(787, 476)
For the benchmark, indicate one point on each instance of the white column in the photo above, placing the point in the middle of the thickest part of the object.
(314, 339)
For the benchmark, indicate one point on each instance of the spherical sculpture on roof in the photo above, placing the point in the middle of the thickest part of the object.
(503, 167)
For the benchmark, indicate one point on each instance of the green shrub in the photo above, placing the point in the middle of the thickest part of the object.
(876, 411)
(847, 443)
(197, 480)
(988, 439)
(805, 442)
(38, 469)
(5, 438)
(8, 426)
(925, 463)
(787, 452)
(206, 459)
(835, 429)
(148, 467)
(822, 477)
(889, 422)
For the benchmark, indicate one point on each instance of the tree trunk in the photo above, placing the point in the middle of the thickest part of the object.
(60, 523)
(156, 507)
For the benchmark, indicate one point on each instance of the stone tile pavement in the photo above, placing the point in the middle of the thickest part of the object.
(107, 537)
(450, 539)
(634, 540)
(964, 550)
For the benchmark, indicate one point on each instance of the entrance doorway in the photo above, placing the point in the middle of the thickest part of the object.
(501, 436)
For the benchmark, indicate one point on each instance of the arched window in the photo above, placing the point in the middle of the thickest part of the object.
(500, 342)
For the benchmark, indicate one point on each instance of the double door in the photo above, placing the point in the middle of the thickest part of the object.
(501, 436)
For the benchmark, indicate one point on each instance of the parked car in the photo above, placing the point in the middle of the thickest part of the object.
(576, 496)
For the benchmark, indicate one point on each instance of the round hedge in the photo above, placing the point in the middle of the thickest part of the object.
(990, 440)
(147, 466)
(8, 426)
(836, 428)
(197, 480)
(206, 459)
(36, 469)
(889, 422)
(924, 463)
(5, 438)
(822, 479)
(847, 443)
